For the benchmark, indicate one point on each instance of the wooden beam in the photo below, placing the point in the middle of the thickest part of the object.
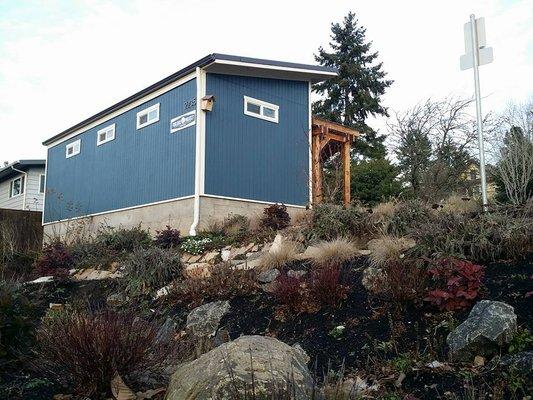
(317, 171)
(335, 127)
(346, 167)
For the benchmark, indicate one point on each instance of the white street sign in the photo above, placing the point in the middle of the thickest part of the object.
(477, 54)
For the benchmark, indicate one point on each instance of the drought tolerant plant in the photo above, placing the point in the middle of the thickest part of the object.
(223, 283)
(461, 205)
(55, 260)
(405, 280)
(283, 255)
(333, 252)
(332, 221)
(150, 269)
(195, 244)
(235, 227)
(123, 240)
(388, 249)
(408, 214)
(275, 217)
(522, 341)
(326, 286)
(15, 319)
(456, 284)
(167, 238)
(288, 291)
(84, 351)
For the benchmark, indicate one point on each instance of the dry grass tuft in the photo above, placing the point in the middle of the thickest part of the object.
(334, 252)
(461, 205)
(277, 258)
(383, 211)
(387, 249)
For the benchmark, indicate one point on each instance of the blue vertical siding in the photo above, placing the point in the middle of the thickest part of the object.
(251, 158)
(138, 167)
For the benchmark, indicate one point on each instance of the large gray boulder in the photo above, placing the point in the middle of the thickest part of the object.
(490, 325)
(203, 321)
(272, 364)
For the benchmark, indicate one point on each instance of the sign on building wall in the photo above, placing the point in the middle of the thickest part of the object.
(183, 121)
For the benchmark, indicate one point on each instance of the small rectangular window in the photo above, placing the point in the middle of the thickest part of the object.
(105, 135)
(73, 148)
(41, 183)
(148, 116)
(261, 109)
(16, 187)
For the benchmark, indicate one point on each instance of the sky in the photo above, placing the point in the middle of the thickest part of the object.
(62, 61)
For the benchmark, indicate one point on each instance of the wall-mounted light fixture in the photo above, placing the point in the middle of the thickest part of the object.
(207, 102)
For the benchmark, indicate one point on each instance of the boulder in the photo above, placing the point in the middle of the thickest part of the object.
(268, 276)
(203, 321)
(273, 365)
(521, 362)
(489, 325)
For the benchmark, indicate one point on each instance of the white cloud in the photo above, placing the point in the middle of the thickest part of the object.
(61, 62)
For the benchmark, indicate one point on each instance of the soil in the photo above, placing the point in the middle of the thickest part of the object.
(377, 340)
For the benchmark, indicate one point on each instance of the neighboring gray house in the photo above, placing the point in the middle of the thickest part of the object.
(22, 185)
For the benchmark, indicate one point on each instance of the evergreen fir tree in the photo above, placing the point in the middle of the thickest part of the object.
(355, 93)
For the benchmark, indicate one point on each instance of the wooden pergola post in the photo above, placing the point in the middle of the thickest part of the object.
(330, 134)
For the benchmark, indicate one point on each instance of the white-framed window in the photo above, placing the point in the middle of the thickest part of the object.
(148, 116)
(73, 148)
(16, 186)
(261, 109)
(105, 135)
(41, 183)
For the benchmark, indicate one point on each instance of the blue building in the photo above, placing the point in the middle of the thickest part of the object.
(224, 135)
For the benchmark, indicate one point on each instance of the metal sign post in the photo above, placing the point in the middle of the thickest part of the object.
(477, 54)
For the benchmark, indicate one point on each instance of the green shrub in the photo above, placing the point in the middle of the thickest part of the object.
(15, 319)
(480, 238)
(91, 253)
(275, 217)
(330, 221)
(408, 215)
(150, 269)
(123, 240)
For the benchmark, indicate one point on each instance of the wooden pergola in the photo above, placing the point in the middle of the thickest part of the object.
(328, 138)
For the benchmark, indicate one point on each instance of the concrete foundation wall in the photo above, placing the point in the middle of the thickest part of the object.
(216, 209)
(178, 214)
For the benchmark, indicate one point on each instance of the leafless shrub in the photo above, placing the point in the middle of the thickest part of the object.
(85, 350)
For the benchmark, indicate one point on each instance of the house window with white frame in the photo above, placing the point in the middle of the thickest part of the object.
(16, 186)
(73, 148)
(105, 135)
(41, 183)
(148, 116)
(261, 109)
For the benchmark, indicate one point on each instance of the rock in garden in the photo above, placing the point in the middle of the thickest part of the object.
(268, 276)
(222, 371)
(521, 362)
(489, 325)
(204, 320)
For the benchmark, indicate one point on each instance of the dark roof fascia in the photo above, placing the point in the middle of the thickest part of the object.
(23, 165)
(152, 88)
(181, 73)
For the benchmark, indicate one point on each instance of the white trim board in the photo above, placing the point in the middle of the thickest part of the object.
(275, 67)
(126, 108)
(118, 209)
(251, 200)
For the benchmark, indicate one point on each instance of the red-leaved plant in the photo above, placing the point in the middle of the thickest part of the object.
(326, 285)
(288, 291)
(167, 238)
(55, 260)
(457, 284)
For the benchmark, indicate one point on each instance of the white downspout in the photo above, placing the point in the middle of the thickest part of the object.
(25, 185)
(199, 153)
